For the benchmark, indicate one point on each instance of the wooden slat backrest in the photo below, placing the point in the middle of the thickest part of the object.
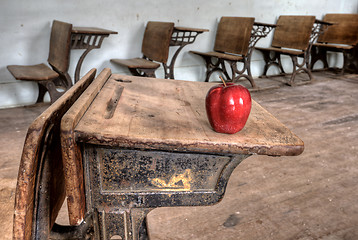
(42, 143)
(233, 35)
(343, 31)
(60, 46)
(156, 40)
(293, 32)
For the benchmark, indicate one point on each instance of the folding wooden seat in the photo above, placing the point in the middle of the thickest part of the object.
(49, 79)
(342, 37)
(232, 46)
(292, 38)
(155, 49)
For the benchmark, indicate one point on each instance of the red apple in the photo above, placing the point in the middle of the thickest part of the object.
(228, 107)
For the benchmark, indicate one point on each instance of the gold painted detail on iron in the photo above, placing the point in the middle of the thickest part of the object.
(178, 182)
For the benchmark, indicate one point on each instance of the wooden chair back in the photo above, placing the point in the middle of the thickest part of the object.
(343, 31)
(60, 46)
(40, 189)
(293, 32)
(233, 35)
(156, 40)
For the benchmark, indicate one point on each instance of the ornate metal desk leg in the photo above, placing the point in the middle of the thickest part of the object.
(88, 42)
(350, 60)
(169, 70)
(181, 39)
(79, 63)
(317, 54)
(122, 224)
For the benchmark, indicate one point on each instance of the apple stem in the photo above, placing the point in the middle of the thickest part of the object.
(223, 81)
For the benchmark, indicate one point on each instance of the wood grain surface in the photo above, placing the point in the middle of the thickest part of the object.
(71, 155)
(343, 31)
(170, 115)
(293, 32)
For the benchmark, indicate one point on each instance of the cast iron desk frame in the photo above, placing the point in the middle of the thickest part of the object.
(87, 38)
(162, 158)
(181, 37)
(319, 27)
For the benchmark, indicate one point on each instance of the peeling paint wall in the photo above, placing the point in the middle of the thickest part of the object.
(26, 25)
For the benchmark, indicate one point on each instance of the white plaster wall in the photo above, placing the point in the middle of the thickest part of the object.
(25, 31)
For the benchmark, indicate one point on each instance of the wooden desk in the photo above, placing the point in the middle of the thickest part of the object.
(87, 38)
(147, 143)
(181, 37)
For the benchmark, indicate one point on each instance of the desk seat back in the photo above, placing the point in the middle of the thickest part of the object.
(156, 40)
(343, 31)
(293, 32)
(60, 46)
(40, 189)
(71, 152)
(233, 35)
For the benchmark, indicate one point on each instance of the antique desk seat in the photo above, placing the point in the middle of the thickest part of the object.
(55, 76)
(235, 40)
(342, 37)
(63, 38)
(155, 49)
(291, 37)
(131, 144)
(158, 38)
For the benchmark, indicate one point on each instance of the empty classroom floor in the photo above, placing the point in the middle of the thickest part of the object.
(310, 196)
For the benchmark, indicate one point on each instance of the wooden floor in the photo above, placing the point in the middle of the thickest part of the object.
(311, 196)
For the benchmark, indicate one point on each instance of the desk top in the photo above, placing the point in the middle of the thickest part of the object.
(91, 30)
(188, 29)
(169, 115)
(265, 24)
